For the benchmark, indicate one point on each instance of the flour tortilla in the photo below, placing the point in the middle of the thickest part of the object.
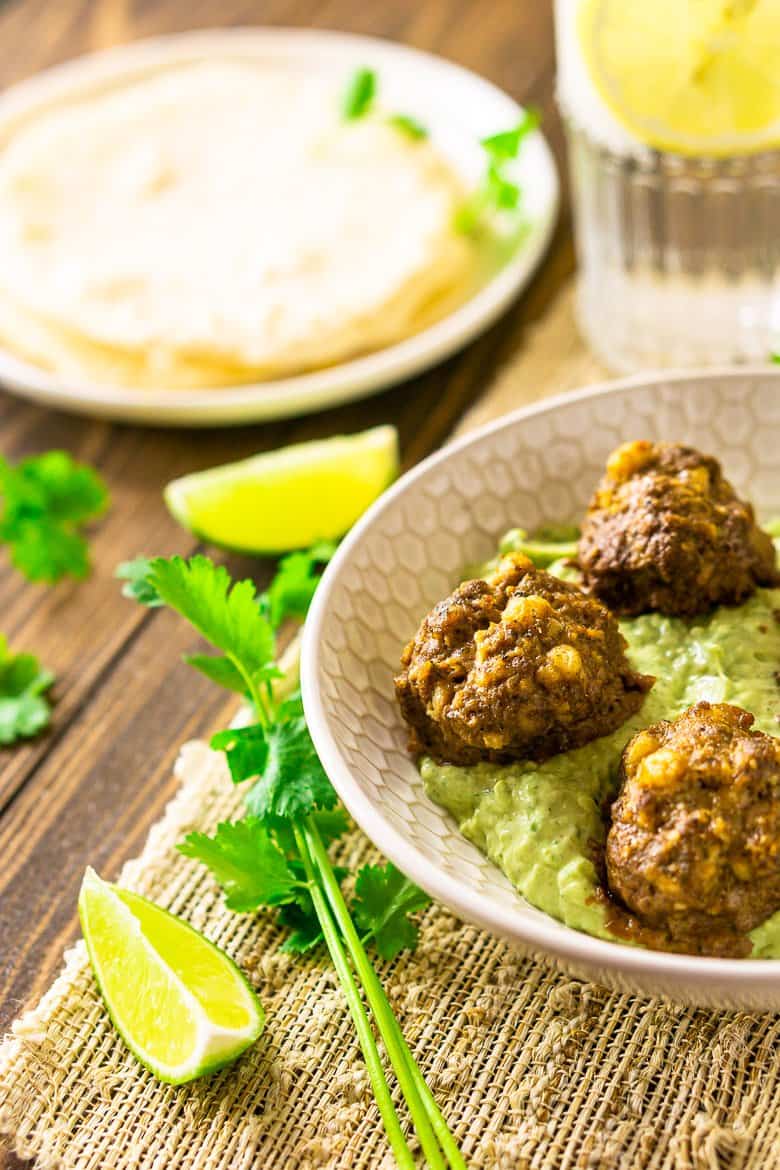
(217, 223)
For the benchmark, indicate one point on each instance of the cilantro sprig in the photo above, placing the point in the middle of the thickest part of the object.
(384, 899)
(497, 190)
(276, 855)
(24, 708)
(292, 589)
(247, 863)
(46, 501)
(228, 616)
(359, 99)
(289, 594)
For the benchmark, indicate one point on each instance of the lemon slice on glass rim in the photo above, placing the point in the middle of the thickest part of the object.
(696, 77)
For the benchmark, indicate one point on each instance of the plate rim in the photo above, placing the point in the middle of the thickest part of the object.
(278, 398)
(557, 939)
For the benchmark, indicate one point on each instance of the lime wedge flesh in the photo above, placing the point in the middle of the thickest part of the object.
(697, 78)
(180, 1004)
(290, 498)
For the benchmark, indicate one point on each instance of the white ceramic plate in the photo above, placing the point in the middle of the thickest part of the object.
(534, 467)
(457, 107)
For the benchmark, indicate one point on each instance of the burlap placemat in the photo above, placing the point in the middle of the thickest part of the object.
(532, 1069)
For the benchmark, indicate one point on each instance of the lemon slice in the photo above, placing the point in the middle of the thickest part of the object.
(290, 498)
(179, 1003)
(692, 76)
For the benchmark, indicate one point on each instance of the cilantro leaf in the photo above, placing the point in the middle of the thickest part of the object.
(300, 917)
(408, 126)
(137, 585)
(383, 900)
(245, 748)
(291, 707)
(54, 483)
(293, 781)
(43, 551)
(497, 191)
(359, 94)
(292, 589)
(331, 824)
(24, 710)
(506, 144)
(502, 192)
(46, 500)
(468, 215)
(225, 613)
(246, 862)
(289, 594)
(220, 670)
(304, 926)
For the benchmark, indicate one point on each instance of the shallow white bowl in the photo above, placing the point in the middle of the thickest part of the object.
(456, 106)
(533, 467)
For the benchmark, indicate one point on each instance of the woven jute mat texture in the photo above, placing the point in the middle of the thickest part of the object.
(532, 1069)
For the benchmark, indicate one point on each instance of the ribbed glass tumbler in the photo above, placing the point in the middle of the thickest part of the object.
(679, 257)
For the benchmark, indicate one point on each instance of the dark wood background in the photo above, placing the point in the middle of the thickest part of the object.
(88, 790)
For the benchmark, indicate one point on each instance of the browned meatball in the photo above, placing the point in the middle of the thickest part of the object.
(694, 845)
(518, 666)
(665, 531)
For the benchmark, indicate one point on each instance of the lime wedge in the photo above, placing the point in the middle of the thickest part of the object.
(290, 498)
(696, 78)
(178, 1002)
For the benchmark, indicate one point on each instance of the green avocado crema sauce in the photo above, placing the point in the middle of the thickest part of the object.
(539, 822)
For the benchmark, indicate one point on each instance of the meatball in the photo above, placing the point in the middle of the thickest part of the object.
(518, 666)
(665, 531)
(694, 844)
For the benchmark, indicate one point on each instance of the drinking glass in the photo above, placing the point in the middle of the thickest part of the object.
(679, 257)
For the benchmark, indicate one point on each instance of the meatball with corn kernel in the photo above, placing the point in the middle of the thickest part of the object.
(665, 531)
(694, 844)
(520, 665)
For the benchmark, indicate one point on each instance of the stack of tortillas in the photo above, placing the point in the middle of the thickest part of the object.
(215, 223)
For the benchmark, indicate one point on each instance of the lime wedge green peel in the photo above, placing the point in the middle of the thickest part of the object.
(290, 498)
(180, 1004)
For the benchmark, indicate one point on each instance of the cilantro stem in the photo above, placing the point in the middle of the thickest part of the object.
(254, 693)
(290, 665)
(428, 1120)
(335, 945)
(441, 1129)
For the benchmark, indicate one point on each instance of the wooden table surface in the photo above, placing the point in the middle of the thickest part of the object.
(88, 790)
